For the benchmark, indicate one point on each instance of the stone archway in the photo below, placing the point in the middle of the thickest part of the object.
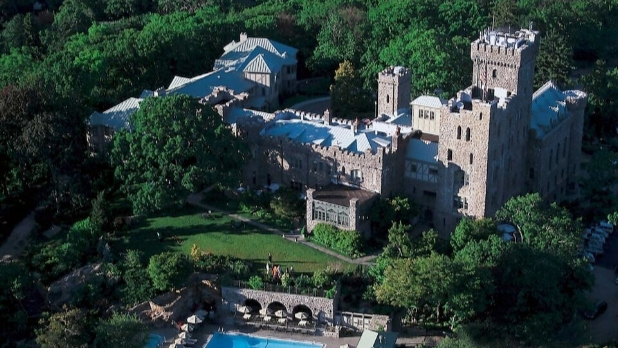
(302, 308)
(275, 306)
(254, 304)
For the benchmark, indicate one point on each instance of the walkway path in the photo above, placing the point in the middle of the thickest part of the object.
(196, 200)
(15, 244)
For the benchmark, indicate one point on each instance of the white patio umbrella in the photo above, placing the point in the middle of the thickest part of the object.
(184, 334)
(245, 309)
(266, 311)
(194, 319)
(301, 315)
(185, 327)
(180, 341)
(281, 313)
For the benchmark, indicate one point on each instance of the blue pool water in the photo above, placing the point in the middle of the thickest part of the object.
(154, 341)
(224, 340)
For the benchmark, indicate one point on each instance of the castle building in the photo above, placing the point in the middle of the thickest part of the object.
(466, 156)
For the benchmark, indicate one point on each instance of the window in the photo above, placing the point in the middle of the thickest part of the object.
(471, 158)
(433, 171)
(431, 115)
(461, 178)
(343, 170)
(449, 154)
(388, 99)
(315, 166)
(467, 134)
(494, 73)
(460, 202)
(356, 175)
(557, 153)
(296, 163)
(458, 132)
(413, 167)
(481, 116)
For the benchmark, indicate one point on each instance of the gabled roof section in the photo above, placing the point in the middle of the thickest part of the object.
(260, 61)
(117, 117)
(548, 107)
(422, 150)
(177, 81)
(203, 85)
(429, 101)
(237, 53)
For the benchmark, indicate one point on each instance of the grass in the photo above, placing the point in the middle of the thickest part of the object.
(217, 236)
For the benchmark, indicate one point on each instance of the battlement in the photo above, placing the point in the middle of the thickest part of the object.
(394, 75)
(498, 46)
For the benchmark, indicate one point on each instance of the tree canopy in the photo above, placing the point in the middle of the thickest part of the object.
(175, 146)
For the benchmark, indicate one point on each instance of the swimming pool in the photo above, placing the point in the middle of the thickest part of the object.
(224, 340)
(154, 341)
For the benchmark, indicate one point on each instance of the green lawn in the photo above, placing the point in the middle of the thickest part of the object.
(219, 237)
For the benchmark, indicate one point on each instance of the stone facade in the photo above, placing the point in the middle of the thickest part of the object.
(394, 90)
(322, 309)
(362, 321)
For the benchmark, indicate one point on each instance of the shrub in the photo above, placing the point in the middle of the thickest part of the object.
(320, 279)
(168, 270)
(302, 281)
(256, 283)
(346, 242)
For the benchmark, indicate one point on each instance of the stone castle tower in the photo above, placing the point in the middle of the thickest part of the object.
(484, 130)
(394, 88)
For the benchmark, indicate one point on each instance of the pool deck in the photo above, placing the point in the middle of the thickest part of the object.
(202, 332)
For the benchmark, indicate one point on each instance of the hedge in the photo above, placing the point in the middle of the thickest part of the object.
(344, 241)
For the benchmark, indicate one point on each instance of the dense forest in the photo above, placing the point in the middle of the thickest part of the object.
(60, 60)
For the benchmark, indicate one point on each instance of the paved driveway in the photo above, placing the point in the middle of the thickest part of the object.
(605, 327)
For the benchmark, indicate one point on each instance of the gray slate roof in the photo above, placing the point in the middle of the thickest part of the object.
(548, 106)
(239, 55)
(422, 150)
(429, 101)
(117, 117)
(203, 85)
(310, 132)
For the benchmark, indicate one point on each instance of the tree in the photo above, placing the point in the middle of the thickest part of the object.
(101, 215)
(547, 228)
(168, 270)
(121, 330)
(387, 211)
(399, 243)
(66, 329)
(472, 229)
(175, 147)
(602, 86)
(287, 203)
(554, 61)
(347, 96)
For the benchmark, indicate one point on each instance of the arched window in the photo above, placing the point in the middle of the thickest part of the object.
(458, 132)
(388, 99)
(481, 116)
(449, 155)
(467, 134)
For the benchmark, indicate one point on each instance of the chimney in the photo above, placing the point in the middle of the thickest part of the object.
(327, 119)
(395, 140)
(243, 37)
(355, 126)
(159, 92)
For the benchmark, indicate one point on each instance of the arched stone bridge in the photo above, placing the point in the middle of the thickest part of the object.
(320, 308)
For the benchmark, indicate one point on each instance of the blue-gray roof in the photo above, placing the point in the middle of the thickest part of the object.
(548, 107)
(373, 339)
(203, 85)
(117, 117)
(238, 55)
(429, 101)
(310, 132)
(422, 150)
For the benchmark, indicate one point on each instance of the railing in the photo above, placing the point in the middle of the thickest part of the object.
(282, 289)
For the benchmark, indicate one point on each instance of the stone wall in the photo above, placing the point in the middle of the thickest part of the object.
(362, 321)
(322, 308)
